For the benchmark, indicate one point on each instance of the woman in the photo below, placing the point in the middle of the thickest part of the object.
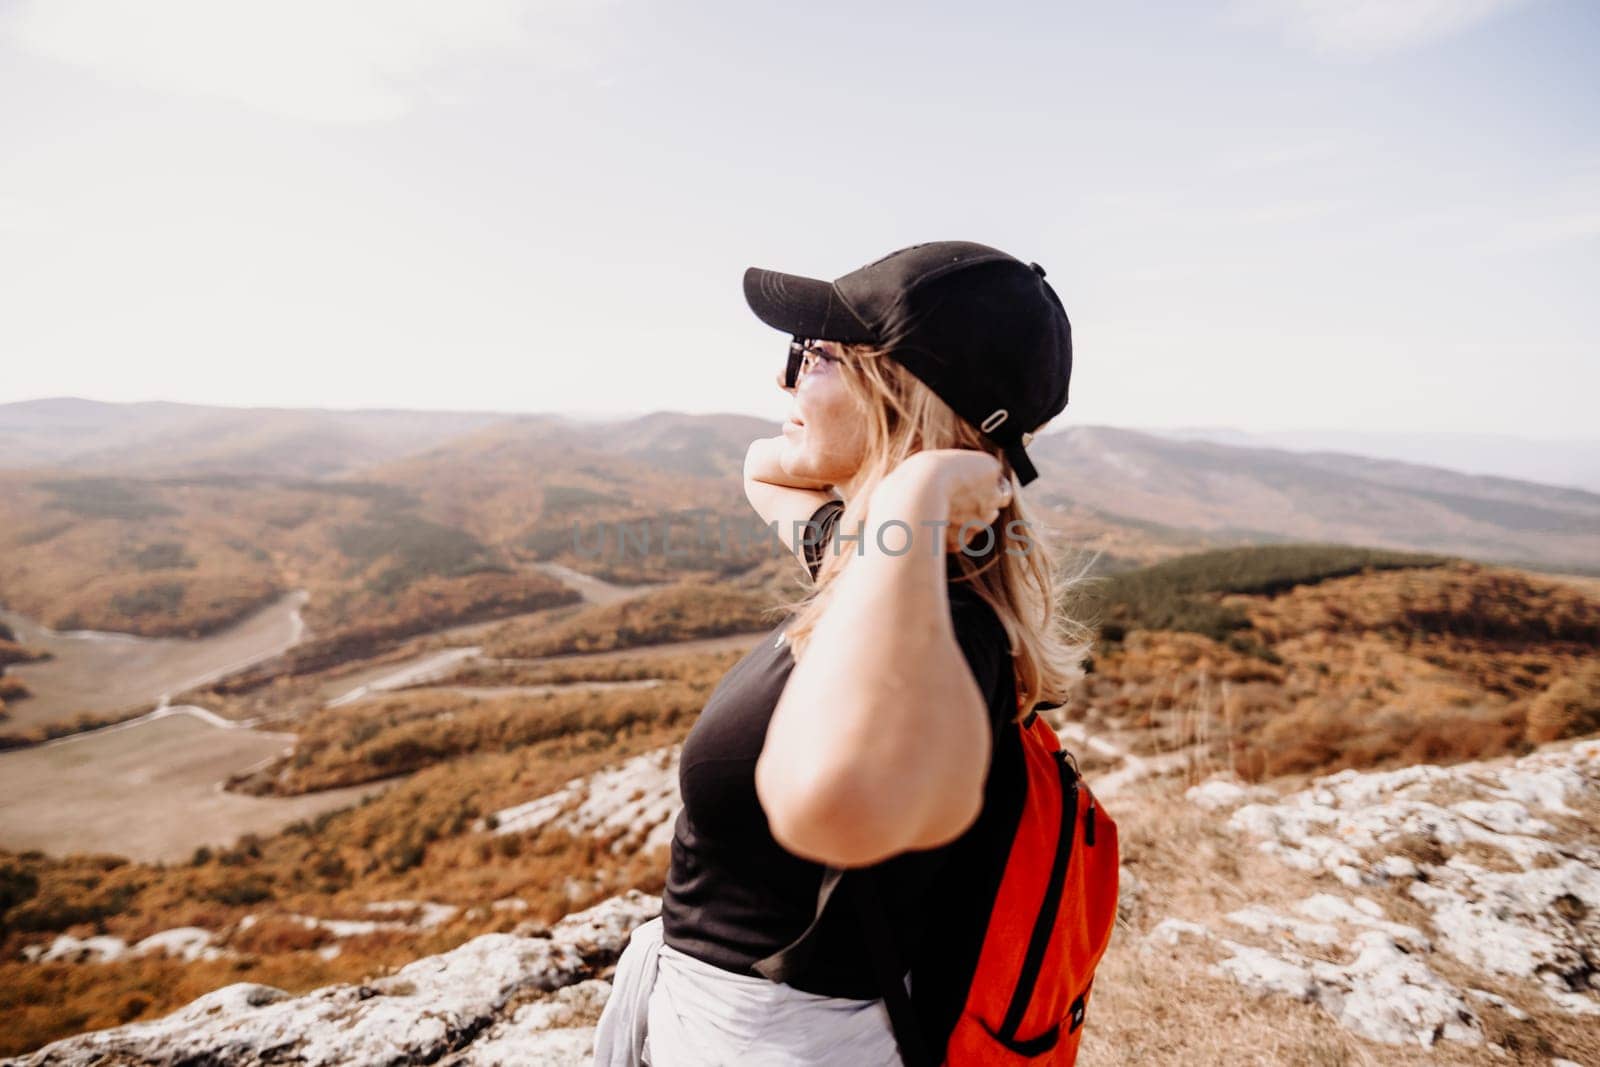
(868, 731)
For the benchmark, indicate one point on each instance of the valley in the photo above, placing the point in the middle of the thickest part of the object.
(445, 726)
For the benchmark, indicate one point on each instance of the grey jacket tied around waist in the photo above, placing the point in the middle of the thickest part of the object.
(668, 1009)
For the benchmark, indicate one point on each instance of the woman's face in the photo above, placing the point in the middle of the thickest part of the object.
(824, 437)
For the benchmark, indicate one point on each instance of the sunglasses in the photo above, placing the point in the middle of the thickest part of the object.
(803, 356)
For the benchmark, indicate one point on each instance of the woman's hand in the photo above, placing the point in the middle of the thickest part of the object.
(972, 484)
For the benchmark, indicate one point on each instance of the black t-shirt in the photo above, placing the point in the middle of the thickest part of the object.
(734, 895)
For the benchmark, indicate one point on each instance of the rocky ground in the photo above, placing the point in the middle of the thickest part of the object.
(529, 997)
(1425, 915)
(1449, 911)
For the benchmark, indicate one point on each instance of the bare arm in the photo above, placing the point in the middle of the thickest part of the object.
(761, 464)
(880, 742)
(777, 495)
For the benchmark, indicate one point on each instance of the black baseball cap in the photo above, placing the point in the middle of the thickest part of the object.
(980, 328)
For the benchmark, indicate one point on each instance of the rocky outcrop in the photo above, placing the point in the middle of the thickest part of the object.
(185, 943)
(1499, 858)
(519, 998)
(1418, 907)
(632, 805)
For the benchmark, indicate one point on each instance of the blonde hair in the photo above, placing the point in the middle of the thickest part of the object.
(1024, 586)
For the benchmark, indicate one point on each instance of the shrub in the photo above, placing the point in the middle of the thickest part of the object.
(383, 497)
(1178, 594)
(275, 934)
(59, 908)
(676, 612)
(404, 855)
(1570, 707)
(106, 498)
(40, 534)
(162, 555)
(417, 547)
(565, 499)
(160, 599)
(17, 886)
(252, 889)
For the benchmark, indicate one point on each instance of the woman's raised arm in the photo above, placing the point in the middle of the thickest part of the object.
(880, 742)
(778, 496)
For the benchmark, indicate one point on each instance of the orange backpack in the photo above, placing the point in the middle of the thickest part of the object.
(1047, 931)
(1048, 926)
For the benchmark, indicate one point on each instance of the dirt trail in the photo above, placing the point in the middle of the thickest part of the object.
(595, 590)
(99, 673)
(412, 672)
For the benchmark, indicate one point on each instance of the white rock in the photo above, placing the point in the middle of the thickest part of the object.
(1263, 920)
(1502, 816)
(1498, 1001)
(513, 904)
(1262, 972)
(1217, 793)
(635, 803)
(1328, 908)
(428, 1010)
(558, 1029)
(1352, 876)
(68, 949)
(1388, 994)
(350, 927)
(1397, 867)
(1508, 923)
(1171, 931)
(429, 914)
(1544, 782)
(603, 929)
(1540, 920)
(185, 942)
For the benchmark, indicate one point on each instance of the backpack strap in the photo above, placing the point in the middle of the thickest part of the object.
(790, 959)
(891, 977)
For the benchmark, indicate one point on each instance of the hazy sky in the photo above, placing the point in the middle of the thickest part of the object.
(1266, 214)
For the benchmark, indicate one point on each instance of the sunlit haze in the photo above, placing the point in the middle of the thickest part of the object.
(1271, 215)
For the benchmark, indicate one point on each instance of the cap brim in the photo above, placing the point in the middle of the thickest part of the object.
(805, 307)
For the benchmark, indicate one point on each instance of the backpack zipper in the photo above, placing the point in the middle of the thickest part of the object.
(1045, 924)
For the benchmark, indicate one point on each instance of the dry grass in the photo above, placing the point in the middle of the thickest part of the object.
(1163, 1007)
(1363, 671)
(417, 841)
(403, 731)
(687, 666)
(183, 557)
(679, 612)
(1358, 670)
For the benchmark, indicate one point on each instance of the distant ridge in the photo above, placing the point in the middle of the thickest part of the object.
(1163, 492)
(1571, 462)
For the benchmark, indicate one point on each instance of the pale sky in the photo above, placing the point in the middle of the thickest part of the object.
(1264, 214)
